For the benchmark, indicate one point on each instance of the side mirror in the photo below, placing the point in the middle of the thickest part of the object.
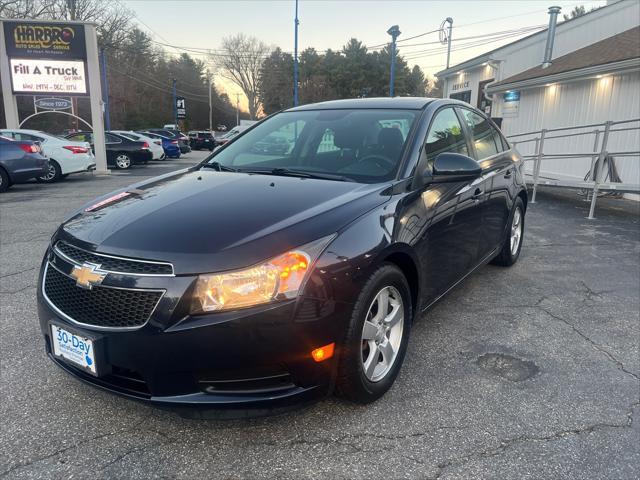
(453, 167)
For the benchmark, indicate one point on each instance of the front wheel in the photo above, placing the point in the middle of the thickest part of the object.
(123, 161)
(4, 181)
(513, 243)
(53, 174)
(377, 337)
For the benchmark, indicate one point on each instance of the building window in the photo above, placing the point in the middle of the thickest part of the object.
(463, 96)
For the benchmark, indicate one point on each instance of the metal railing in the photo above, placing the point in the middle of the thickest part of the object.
(601, 139)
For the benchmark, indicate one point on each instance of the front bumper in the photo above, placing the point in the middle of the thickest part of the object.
(256, 358)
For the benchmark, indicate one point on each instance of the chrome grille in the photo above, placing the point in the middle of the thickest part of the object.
(112, 263)
(103, 307)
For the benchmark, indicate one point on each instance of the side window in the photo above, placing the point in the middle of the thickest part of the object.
(111, 138)
(80, 137)
(485, 137)
(445, 135)
(25, 136)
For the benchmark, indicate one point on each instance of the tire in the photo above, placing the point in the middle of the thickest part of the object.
(54, 175)
(364, 374)
(509, 253)
(5, 182)
(122, 161)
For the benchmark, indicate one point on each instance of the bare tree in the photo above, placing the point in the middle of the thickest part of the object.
(241, 62)
(25, 8)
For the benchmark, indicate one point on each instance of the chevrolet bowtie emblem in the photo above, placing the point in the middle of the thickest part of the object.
(88, 275)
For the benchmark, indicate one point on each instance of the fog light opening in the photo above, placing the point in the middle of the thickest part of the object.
(323, 353)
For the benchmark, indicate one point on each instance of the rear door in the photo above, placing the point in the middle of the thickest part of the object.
(497, 172)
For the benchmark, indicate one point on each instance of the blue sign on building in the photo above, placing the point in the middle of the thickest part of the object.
(512, 96)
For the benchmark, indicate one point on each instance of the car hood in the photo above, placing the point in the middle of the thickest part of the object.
(207, 221)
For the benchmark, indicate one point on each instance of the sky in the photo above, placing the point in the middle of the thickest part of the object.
(331, 23)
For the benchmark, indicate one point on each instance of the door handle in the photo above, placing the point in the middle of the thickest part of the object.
(508, 174)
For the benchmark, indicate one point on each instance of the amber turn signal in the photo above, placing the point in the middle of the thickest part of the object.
(323, 353)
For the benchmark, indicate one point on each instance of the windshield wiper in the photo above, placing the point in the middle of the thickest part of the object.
(288, 172)
(219, 167)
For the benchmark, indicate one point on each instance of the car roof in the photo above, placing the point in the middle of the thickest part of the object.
(406, 103)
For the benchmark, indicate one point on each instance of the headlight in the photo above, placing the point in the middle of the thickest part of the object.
(276, 279)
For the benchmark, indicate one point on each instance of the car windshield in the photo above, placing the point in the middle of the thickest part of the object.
(362, 145)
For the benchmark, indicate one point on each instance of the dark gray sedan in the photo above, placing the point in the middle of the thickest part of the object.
(20, 161)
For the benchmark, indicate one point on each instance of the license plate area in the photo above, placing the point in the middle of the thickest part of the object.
(74, 348)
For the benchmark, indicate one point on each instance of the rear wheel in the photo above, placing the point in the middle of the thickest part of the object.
(4, 181)
(513, 243)
(377, 337)
(53, 174)
(123, 161)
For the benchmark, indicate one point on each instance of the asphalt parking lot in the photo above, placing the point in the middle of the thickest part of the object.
(527, 372)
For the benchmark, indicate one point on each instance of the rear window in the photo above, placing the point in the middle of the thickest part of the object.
(486, 138)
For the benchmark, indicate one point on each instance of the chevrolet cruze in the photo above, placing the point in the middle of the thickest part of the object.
(258, 279)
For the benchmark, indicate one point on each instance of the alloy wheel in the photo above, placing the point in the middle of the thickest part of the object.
(516, 231)
(382, 333)
(123, 161)
(51, 174)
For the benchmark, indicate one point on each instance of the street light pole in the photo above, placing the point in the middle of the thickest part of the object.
(237, 109)
(175, 107)
(449, 20)
(395, 33)
(295, 59)
(210, 109)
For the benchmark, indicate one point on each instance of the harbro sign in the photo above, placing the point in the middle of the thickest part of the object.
(45, 40)
(48, 76)
(46, 57)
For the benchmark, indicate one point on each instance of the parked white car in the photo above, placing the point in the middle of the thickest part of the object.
(65, 156)
(155, 145)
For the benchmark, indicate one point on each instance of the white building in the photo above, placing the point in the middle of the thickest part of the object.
(594, 77)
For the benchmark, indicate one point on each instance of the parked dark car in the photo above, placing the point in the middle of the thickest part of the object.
(273, 145)
(122, 152)
(199, 140)
(170, 146)
(183, 140)
(257, 281)
(20, 161)
(231, 134)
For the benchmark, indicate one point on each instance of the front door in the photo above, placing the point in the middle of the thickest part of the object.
(450, 213)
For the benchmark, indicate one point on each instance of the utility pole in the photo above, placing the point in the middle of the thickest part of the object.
(175, 107)
(295, 59)
(237, 109)
(105, 90)
(210, 109)
(449, 20)
(395, 33)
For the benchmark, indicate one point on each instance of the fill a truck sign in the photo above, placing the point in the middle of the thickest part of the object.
(48, 76)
